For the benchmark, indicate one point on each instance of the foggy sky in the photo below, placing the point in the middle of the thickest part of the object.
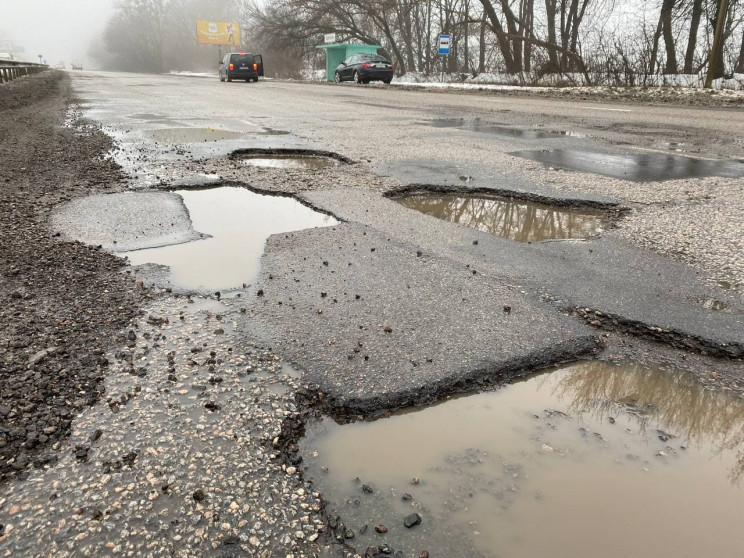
(61, 30)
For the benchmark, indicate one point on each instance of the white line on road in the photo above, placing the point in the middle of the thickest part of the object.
(610, 109)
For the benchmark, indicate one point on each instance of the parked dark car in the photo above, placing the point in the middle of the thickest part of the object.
(363, 68)
(241, 65)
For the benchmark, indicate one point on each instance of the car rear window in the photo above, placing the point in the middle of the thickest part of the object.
(242, 59)
(373, 58)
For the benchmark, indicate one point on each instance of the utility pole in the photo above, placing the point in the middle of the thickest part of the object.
(717, 38)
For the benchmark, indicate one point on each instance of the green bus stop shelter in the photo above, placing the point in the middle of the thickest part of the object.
(338, 52)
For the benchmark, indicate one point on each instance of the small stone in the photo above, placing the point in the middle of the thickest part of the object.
(412, 520)
(367, 488)
(381, 529)
(424, 554)
(199, 495)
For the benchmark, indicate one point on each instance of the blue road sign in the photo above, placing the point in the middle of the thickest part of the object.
(444, 44)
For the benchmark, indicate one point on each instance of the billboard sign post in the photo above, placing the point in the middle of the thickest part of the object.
(217, 33)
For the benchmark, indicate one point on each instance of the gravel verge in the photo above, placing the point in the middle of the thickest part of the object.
(62, 302)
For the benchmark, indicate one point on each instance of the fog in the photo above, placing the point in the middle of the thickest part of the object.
(59, 30)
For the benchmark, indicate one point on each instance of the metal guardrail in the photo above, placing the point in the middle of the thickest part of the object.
(13, 69)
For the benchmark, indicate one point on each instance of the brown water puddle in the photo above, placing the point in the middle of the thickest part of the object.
(592, 459)
(643, 167)
(307, 162)
(192, 135)
(511, 219)
(238, 222)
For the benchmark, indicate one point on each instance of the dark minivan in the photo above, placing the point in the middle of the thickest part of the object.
(241, 65)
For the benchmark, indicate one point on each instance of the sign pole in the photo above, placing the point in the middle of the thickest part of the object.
(444, 44)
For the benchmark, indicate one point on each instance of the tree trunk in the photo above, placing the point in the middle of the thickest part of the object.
(697, 12)
(528, 16)
(504, 44)
(482, 47)
(655, 49)
(552, 54)
(466, 52)
(671, 51)
(740, 63)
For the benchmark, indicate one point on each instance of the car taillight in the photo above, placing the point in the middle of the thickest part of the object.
(365, 65)
(232, 67)
(255, 67)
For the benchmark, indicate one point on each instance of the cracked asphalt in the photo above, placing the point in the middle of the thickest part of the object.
(387, 309)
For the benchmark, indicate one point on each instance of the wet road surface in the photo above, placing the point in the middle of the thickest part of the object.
(390, 307)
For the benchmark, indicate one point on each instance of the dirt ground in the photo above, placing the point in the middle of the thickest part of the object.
(62, 302)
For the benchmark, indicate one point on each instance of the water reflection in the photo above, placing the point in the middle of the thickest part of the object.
(511, 219)
(697, 416)
(643, 167)
(307, 162)
(484, 126)
(238, 223)
(592, 459)
(192, 135)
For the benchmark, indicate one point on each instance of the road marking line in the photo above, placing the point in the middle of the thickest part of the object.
(610, 109)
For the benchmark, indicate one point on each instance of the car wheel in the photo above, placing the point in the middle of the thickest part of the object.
(229, 78)
(337, 78)
(387, 81)
(357, 79)
(255, 80)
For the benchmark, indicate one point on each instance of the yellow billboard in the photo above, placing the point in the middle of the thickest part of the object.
(217, 33)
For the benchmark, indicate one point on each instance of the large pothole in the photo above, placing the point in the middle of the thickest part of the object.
(238, 222)
(513, 219)
(305, 159)
(593, 459)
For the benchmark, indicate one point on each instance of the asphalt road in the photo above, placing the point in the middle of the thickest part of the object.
(388, 308)
(180, 130)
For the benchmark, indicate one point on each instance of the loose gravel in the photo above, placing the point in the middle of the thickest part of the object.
(62, 302)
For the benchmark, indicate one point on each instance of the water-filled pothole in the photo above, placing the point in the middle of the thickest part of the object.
(289, 158)
(512, 219)
(192, 135)
(239, 222)
(593, 459)
(644, 167)
(483, 126)
(290, 162)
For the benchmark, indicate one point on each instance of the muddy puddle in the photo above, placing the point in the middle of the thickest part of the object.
(512, 219)
(643, 167)
(592, 459)
(192, 135)
(486, 127)
(238, 222)
(306, 162)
